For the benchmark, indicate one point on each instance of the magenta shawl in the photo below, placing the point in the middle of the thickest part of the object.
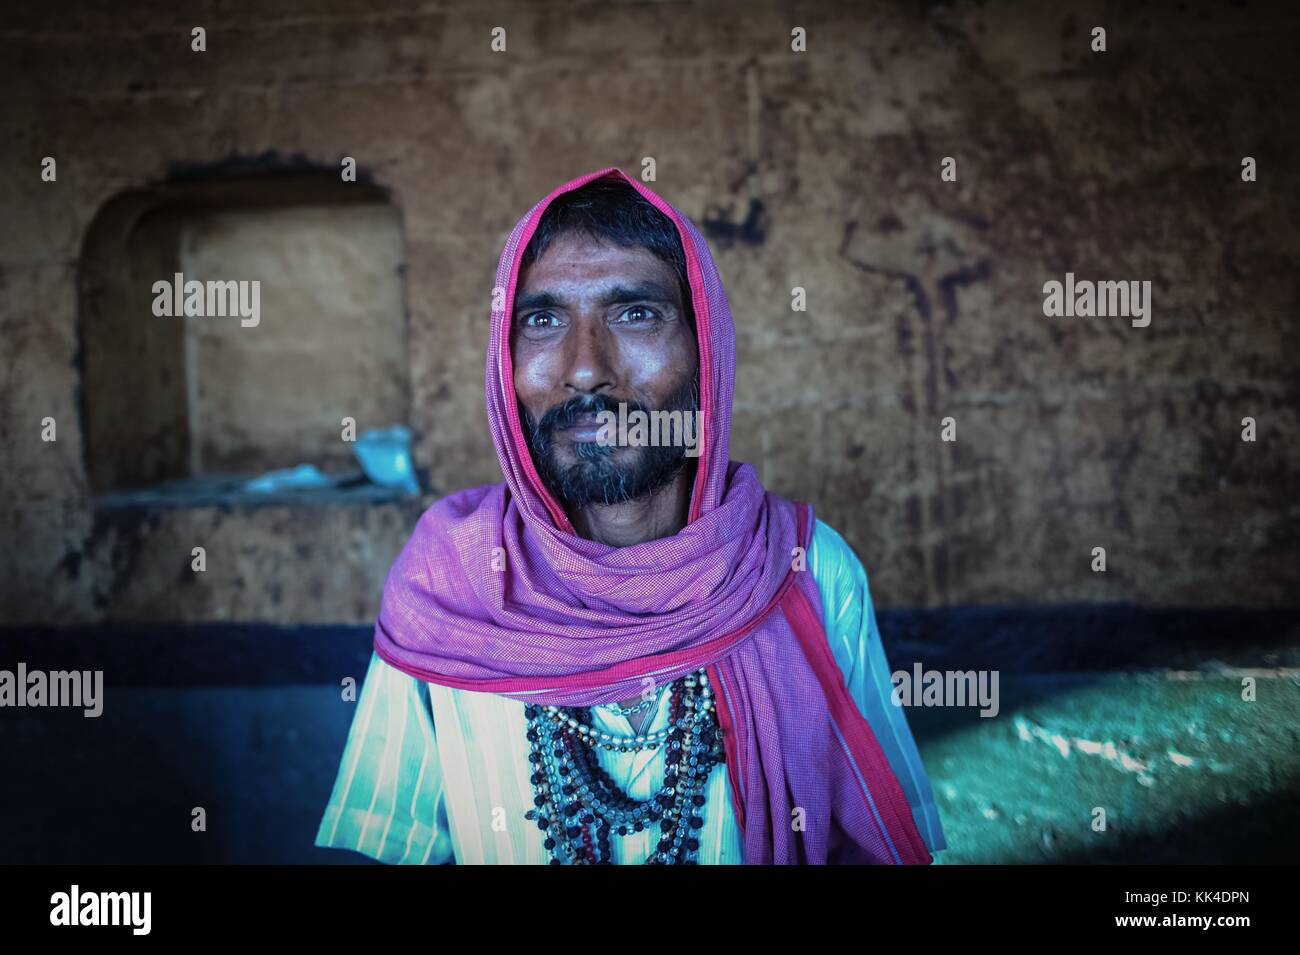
(494, 592)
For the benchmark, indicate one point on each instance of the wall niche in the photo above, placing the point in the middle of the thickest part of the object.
(186, 408)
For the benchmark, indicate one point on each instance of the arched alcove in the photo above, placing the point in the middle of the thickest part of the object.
(300, 324)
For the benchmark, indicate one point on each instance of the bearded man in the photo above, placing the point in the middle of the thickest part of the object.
(628, 651)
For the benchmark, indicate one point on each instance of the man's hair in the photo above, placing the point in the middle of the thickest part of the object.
(610, 210)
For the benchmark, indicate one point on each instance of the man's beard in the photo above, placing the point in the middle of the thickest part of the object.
(595, 477)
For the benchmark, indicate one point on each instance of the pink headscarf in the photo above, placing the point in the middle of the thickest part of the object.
(494, 592)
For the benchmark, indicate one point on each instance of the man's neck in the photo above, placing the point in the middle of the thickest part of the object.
(661, 514)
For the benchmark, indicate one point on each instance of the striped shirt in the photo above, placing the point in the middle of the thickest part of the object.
(407, 794)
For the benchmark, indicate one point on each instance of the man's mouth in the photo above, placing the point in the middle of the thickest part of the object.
(585, 428)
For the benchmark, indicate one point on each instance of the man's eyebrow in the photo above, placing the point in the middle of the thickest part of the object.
(531, 300)
(641, 292)
(648, 291)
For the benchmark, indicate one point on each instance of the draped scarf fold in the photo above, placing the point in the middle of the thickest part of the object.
(495, 592)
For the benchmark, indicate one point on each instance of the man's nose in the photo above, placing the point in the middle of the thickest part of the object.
(590, 358)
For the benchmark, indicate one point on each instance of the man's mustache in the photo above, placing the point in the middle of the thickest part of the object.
(579, 407)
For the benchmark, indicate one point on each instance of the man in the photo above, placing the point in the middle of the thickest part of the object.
(629, 651)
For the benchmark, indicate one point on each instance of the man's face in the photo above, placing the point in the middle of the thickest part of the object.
(596, 324)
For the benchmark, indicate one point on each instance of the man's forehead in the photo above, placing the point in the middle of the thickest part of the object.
(578, 249)
(611, 272)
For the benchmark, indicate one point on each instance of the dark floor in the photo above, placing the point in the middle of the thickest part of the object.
(1184, 768)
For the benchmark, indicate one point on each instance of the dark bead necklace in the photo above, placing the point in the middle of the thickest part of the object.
(578, 806)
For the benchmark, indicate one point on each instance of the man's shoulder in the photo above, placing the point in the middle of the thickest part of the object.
(471, 509)
(833, 562)
(462, 503)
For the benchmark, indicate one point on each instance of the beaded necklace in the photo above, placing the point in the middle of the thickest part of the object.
(578, 806)
(619, 711)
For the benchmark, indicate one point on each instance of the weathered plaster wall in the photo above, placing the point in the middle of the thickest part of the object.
(819, 170)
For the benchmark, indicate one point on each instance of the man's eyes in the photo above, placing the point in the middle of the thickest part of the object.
(638, 314)
(538, 320)
(633, 315)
